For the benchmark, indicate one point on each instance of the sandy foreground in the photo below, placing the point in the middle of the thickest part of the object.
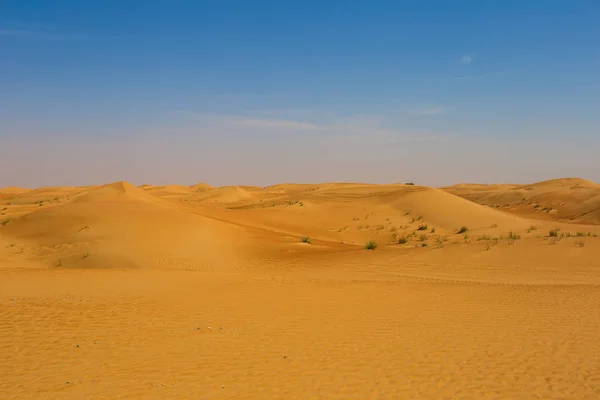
(176, 292)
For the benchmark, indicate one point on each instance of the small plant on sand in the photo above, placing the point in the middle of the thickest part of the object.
(580, 234)
(424, 244)
(422, 227)
(379, 227)
(531, 228)
(393, 229)
(462, 229)
(513, 236)
(432, 230)
(306, 239)
(370, 245)
(439, 242)
(554, 232)
(86, 255)
(579, 243)
(484, 237)
(4, 222)
(423, 238)
(494, 226)
(403, 240)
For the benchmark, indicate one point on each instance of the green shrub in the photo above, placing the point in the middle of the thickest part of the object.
(306, 239)
(370, 245)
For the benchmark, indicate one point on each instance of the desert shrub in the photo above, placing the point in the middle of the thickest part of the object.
(402, 240)
(432, 230)
(422, 227)
(410, 183)
(513, 236)
(462, 229)
(579, 243)
(554, 232)
(531, 228)
(306, 239)
(483, 237)
(370, 245)
(423, 238)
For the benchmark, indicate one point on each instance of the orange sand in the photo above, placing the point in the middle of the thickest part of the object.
(178, 292)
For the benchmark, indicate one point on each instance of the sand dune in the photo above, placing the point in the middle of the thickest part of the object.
(118, 291)
(572, 200)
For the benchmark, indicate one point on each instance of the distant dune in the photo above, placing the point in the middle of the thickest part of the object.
(571, 200)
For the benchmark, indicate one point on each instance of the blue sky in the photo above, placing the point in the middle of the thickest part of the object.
(262, 92)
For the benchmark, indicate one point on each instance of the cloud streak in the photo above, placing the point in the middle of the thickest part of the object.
(427, 111)
(280, 124)
(35, 34)
(466, 59)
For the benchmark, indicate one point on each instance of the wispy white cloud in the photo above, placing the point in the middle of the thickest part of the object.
(35, 34)
(469, 78)
(466, 59)
(427, 111)
(273, 124)
(357, 128)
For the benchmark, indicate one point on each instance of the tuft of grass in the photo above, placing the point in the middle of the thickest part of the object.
(402, 240)
(86, 255)
(432, 230)
(462, 229)
(554, 232)
(422, 227)
(393, 229)
(484, 237)
(439, 242)
(513, 236)
(532, 228)
(4, 222)
(379, 227)
(424, 244)
(579, 243)
(370, 245)
(580, 234)
(306, 239)
(423, 238)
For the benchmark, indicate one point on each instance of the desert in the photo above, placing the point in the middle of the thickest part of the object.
(301, 291)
